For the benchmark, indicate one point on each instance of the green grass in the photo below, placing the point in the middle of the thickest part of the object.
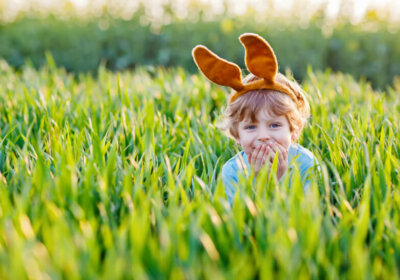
(117, 177)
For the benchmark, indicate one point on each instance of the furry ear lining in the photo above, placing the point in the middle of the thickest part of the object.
(216, 69)
(260, 58)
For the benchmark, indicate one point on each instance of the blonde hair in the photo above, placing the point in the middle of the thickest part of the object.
(276, 103)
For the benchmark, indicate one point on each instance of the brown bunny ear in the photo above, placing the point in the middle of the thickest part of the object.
(216, 69)
(260, 58)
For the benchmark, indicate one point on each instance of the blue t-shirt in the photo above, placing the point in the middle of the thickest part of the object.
(304, 158)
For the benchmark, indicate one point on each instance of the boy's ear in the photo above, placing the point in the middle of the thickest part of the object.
(237, 140)
(294, 136)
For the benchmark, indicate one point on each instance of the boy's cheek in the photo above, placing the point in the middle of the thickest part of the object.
(248, 150)
(245, 147)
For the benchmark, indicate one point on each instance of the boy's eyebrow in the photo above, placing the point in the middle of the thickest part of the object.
(249, 121)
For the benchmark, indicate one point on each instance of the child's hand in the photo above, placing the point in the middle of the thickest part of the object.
(258, 157)
(283, 161)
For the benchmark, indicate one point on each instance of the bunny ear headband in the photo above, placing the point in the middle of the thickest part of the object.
(260, 61)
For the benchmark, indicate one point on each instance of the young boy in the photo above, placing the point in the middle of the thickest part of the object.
(265, 115)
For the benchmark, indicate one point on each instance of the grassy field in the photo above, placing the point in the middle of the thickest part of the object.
(117, 176)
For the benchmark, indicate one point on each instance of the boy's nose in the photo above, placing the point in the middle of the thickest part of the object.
(263, 135)
(263, 138)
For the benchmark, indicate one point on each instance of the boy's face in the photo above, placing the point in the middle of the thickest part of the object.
(266, 129)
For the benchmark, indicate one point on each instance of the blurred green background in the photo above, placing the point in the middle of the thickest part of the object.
(115, 175)
(347, 36)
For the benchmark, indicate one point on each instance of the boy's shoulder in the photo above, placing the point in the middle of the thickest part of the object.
(297, 149)
(302, 154)
(237, 162)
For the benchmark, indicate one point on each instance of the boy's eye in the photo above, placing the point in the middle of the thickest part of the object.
(275, 125)
(250, 127)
